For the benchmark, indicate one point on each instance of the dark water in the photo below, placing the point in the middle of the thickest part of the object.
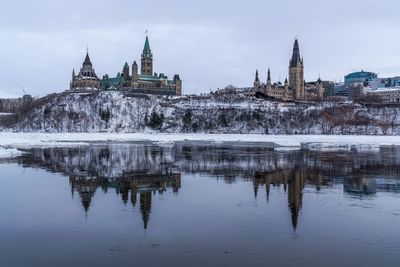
(197, 205)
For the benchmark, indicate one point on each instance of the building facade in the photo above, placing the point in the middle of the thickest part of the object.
(86, 78)
(386, 95)
(13, 105)
(385, 82)
(294, 88)
(146, 81)
(364, 77)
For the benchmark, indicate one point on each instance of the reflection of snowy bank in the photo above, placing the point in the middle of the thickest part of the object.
(6, 153)
(342, 147)
(310, 142)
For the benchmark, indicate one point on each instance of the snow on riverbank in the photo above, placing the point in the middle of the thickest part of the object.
(6, 153)
(315, 142)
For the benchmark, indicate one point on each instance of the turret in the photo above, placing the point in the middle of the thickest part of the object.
(135, 74)
(268, 86)
(178, 85)
(125, 72)
(320, 89)
(257, 83)
(287, 91)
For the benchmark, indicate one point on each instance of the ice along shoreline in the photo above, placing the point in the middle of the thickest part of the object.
(313, 142)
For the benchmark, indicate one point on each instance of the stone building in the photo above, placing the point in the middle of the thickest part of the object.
(86, 78)
(147, 81)
(13, 105)
(389, 95)
(294, 88)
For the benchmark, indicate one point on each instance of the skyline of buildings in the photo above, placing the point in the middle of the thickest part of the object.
(295, 87)
(222, 48)
(145, 82)
(130, 80)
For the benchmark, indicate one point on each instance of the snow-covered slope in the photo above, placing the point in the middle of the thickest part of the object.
(114, 112)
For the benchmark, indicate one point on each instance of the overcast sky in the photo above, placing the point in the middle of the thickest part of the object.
(210, 43)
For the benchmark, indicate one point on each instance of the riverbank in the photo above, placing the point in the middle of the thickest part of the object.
(28, 140)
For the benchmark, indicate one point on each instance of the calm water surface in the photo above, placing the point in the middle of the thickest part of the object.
(199, 205)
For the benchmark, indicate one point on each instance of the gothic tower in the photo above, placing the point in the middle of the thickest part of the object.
(268, 86)
(257, 83)
(147, 59)
(296, 72)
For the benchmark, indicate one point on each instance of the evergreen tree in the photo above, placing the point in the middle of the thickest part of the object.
(156, 121)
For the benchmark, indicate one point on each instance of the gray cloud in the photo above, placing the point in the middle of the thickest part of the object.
(210, 43)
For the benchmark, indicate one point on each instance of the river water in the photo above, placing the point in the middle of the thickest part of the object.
(199, 205)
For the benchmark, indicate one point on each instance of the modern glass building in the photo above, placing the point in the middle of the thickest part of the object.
(359, 77)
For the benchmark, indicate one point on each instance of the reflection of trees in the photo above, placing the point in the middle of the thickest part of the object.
(137, 172)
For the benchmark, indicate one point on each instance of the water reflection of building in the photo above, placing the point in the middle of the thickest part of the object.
(140, 185)
(293, 182)
(138, 172)
(360, 185)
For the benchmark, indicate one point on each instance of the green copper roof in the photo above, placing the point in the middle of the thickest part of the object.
(147, 45)
(126, 66)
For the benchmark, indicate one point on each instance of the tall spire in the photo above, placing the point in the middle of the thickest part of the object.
(147, 59)
(257, 78)
(296, 58)
(269, 75)
(146, 48)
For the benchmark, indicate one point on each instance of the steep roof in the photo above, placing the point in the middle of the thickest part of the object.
(146, 48)
(296, 58)
(87, 60)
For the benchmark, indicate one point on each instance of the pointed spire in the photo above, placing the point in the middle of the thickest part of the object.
(296, 58)
(269, 75)
(286, 81)
(257, 78)
(126, 66)
(87, 59)
(146, 48)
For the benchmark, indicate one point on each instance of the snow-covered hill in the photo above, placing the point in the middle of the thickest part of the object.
(229, 114)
